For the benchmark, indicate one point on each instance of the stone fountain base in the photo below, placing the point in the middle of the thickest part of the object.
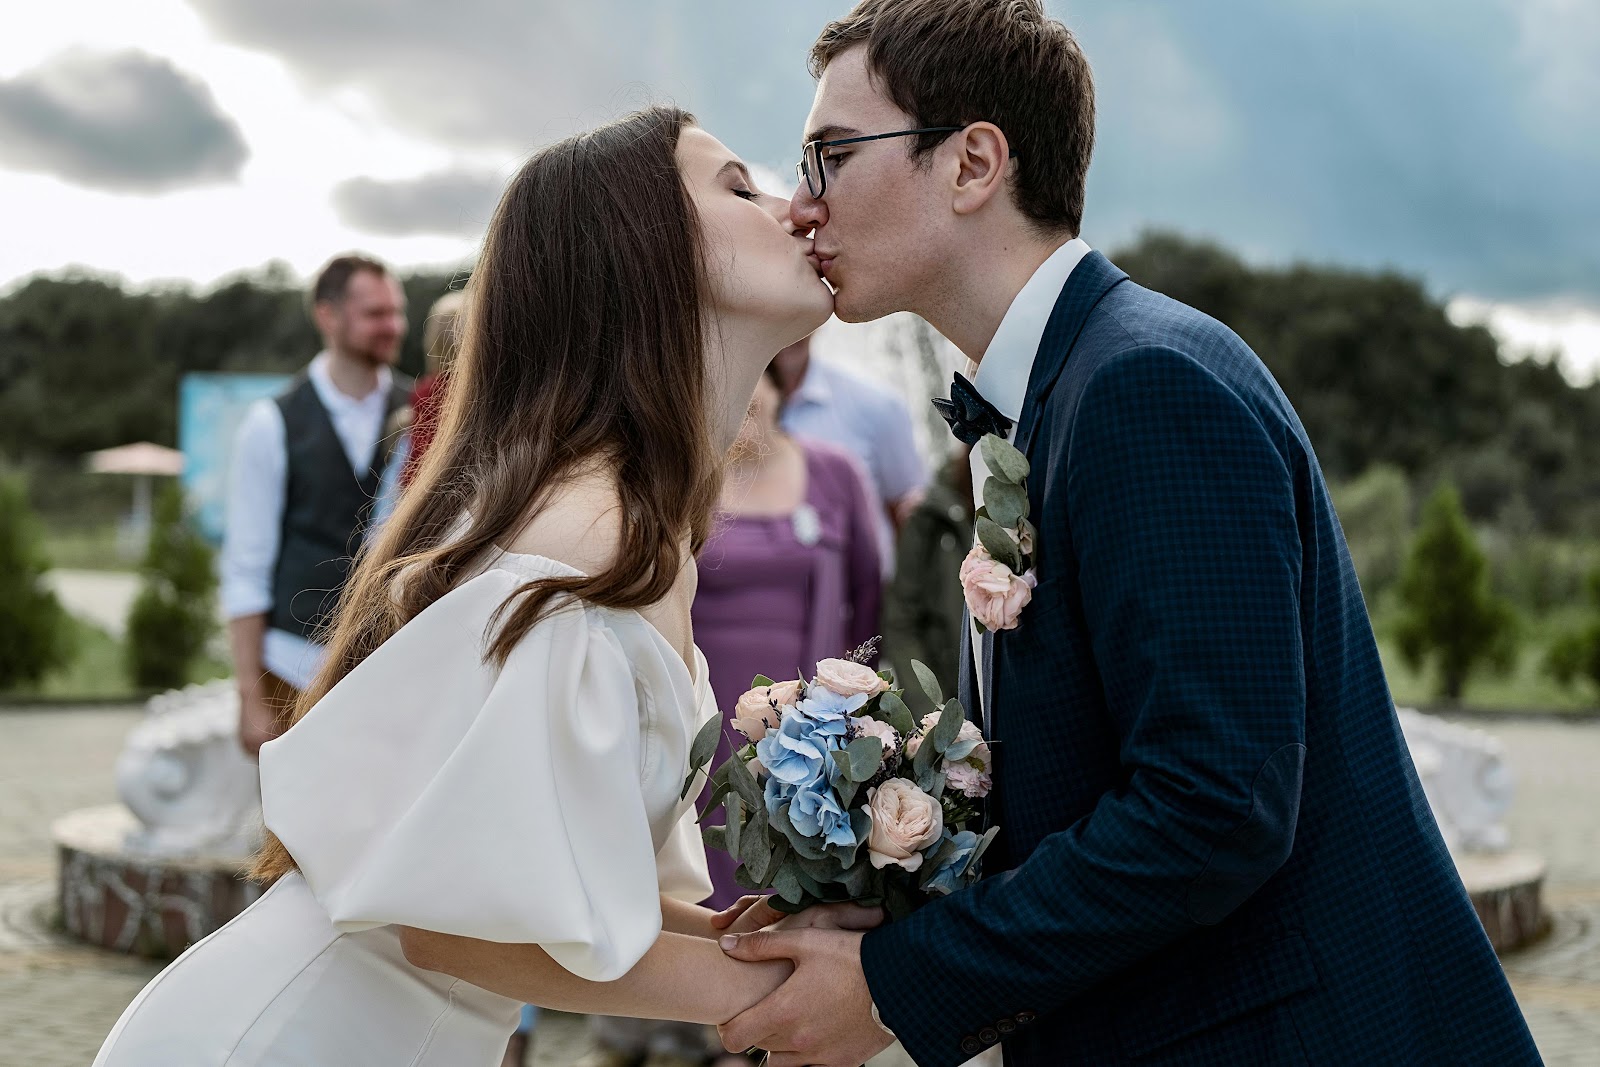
(1507, 890)
(141, 905)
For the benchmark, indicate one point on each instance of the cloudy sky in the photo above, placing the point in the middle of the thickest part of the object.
(191, 138)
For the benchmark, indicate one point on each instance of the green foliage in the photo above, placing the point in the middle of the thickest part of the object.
(35, 634)
(174, 614)
(1375, 511)
(1449, 614)
(1380, 374)
(1575, 654)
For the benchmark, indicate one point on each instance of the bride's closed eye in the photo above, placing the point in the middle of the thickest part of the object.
(747, 194)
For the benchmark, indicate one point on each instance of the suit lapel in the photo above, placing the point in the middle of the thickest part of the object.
(1090, 280)
(966, 684)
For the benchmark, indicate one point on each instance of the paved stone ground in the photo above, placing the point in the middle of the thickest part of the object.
(58, 1000)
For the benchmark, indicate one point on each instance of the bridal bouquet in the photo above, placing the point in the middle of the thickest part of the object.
(840, 794)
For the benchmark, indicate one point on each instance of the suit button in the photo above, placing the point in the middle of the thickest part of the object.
(1006, 1026)
(971, 1046)
(1025, 1017)
(988, 1035)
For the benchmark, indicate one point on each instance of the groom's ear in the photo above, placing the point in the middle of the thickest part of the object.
(982, 158)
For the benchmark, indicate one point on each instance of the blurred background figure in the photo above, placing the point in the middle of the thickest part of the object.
(825, 402)
(413, 427)
(306, 470)
(923, 606)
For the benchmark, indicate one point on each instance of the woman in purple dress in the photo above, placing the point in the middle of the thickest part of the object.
(791, 573)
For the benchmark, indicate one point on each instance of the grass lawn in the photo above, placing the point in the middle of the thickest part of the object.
(96, 672)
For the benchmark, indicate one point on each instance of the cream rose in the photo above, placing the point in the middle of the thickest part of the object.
(847, 678)
(994, 595)
(968, 780)
(905, 820)
(761, 709)
(980, 756)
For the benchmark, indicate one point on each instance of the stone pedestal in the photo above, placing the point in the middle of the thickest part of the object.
(1506, 888)
(139, 904)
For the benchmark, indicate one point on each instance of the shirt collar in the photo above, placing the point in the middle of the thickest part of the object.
(814, 388)
(1002, 377)
(331, 395)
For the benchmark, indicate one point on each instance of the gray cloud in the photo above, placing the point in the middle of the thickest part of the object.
(123, 121)
(1459, 142)
(454, 203)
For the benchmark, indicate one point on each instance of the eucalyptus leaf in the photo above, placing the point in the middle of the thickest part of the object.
(787, 885)
(999, 544)
(754, 848)
(977, 853)
(807, 847)
(807, 882)
(861, 758)
(893, 710)
(929, 683)
(961, 750)
(887, 676)
(718, 793)
(715, 837)
(761, 681)
(846, 791)
(922, 762)
(858, 880)
(746, 880)
(700, 753)
(945, 733)
(936, 786)
(1007, 504)
(745, 784)
(932, 863)
(1003, 459)
(734, 824)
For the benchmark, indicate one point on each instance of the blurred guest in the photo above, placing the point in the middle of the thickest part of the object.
(825, 402)
(306, 468)
(414, 426)
(924, 605)
(791, 574)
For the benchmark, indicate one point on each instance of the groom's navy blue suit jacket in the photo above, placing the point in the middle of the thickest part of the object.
(1214, 848)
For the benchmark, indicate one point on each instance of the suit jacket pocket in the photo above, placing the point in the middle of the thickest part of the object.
(1201, 993)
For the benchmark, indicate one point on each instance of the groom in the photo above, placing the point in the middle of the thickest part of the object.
(1213, 848)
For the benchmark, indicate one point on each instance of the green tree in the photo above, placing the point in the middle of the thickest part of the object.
(174, 614)
(1575, 654)
(34, 632)
(1449, 614)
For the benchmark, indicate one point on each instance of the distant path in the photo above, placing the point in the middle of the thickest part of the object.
(99, 597)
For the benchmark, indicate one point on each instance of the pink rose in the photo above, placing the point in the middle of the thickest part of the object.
(865, 726)
(847, 678)
(905, 820)
(967, 780)
(761, 708)
(994, 595)
(979, 757)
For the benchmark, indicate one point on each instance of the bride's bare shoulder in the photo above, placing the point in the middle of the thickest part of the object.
(580, 525)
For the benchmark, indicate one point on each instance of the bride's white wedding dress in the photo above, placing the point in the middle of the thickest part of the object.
(535, 803)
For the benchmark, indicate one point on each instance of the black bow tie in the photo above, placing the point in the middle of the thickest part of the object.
(970, 416)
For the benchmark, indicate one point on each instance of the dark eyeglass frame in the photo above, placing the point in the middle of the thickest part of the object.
(813, 149)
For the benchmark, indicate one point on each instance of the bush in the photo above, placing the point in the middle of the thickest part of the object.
(175, 613)
(1449, 615)
(1575, 655)
(1375, 511)
(35, 637)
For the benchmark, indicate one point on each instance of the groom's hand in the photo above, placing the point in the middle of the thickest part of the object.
(820, 1017)
(751, 913)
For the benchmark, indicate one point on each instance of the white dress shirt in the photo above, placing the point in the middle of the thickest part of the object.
(256, 490)
(1002, 377)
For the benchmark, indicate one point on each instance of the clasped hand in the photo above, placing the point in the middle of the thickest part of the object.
(821, 1016)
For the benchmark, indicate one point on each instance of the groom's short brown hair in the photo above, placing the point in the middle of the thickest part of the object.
(955, 62)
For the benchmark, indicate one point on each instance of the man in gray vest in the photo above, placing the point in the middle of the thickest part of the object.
(306, 468)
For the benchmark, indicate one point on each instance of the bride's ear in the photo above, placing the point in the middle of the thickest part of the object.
(982, 158)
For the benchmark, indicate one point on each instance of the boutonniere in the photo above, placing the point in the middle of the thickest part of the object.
(998, 576)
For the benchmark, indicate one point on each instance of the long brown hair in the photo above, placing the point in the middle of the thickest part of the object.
(584, 344)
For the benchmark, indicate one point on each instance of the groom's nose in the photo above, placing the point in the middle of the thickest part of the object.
(805, 210)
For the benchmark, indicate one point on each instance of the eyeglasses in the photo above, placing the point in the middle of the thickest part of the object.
(810, 171)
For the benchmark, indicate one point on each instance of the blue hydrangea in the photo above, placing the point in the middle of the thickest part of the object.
(823, 705)
(815, 811)
(948, 877)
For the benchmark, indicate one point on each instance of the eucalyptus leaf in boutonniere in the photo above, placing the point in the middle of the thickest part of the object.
(998, 576)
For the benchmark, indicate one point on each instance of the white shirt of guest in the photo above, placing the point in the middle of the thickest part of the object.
(257, 484)
(1002, 377)
(868, 421)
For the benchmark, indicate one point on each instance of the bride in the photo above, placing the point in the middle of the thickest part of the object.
(478, 802)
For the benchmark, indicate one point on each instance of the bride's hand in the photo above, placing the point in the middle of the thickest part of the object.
(752, 913)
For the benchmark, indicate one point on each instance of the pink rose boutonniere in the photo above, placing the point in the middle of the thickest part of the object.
(998, 576)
